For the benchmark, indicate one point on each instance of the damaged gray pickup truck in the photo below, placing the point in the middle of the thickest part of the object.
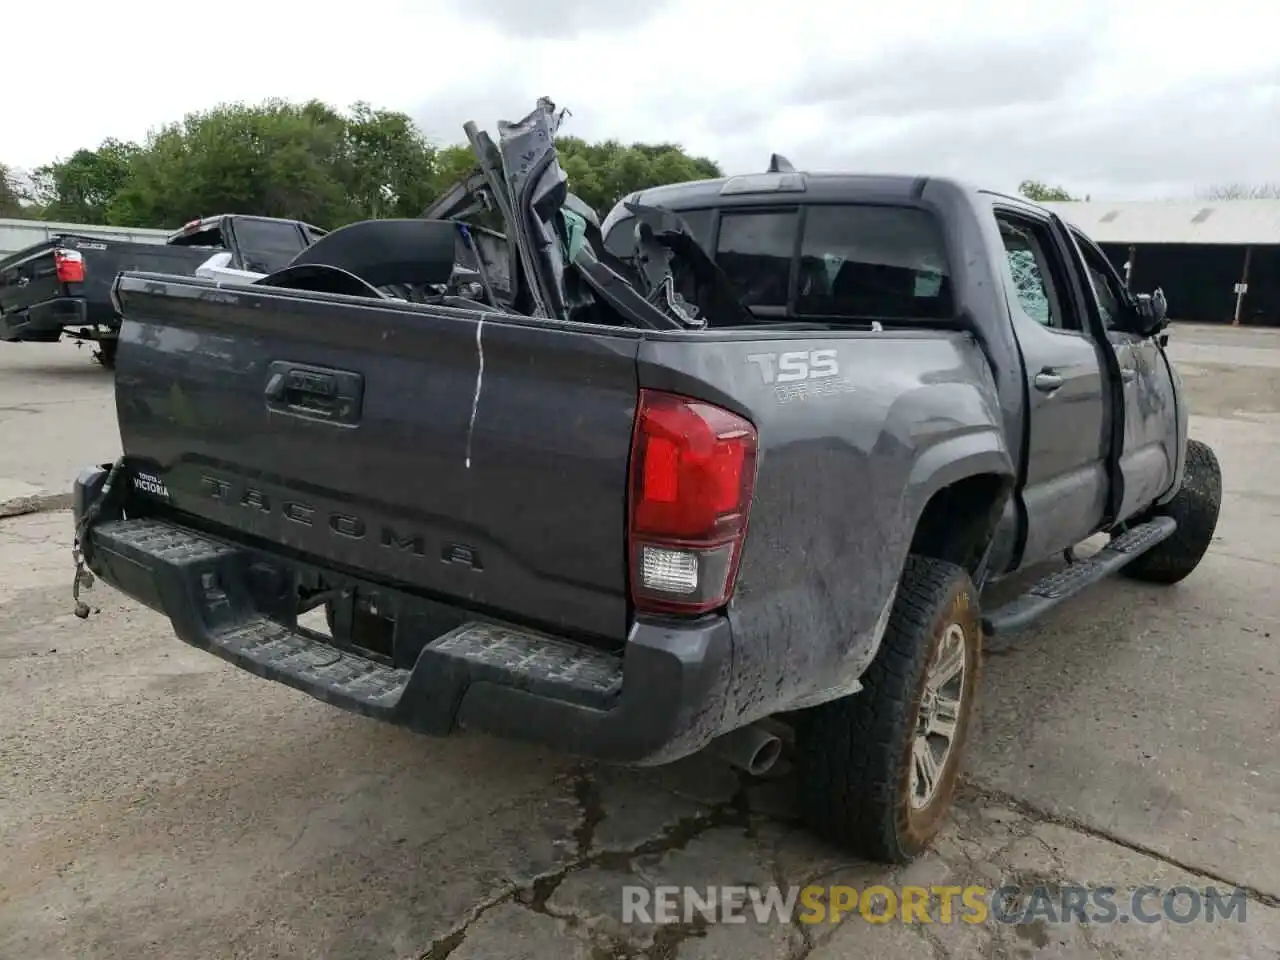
(729, 472)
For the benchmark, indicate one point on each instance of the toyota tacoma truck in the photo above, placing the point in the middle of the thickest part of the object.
(729, 472)
(63, 285)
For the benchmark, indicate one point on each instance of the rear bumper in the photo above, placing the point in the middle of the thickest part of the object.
(44, 322)
(661, 699)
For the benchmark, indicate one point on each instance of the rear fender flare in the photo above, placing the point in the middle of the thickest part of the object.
(957, 458)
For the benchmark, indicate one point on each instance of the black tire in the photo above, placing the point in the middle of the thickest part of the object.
(105, 354)
(1195, 506)
(855, 756)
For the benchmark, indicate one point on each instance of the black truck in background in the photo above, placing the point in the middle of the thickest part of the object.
(63, 285)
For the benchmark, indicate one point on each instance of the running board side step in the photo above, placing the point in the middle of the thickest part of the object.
(1047, 593)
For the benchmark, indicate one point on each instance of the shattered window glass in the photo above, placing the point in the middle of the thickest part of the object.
(1028, 277)
(880, 262)
(1029, 283)
(755, 250)
(621, 239)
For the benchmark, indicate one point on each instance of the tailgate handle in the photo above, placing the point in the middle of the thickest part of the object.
(318, 393)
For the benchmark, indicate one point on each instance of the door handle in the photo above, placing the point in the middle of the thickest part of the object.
(1047, 381)
(1128, 374)
(316, 392)
(277, 387)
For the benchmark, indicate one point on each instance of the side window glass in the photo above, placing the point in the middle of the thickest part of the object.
(621, 239)
(267, 245)
(699, 222)
(1108, 304)
(755, 251)
(1036, 272)
(1104, 285)
(1028, 274)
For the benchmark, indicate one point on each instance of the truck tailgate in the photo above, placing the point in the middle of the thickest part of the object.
(105, 259)
(478, 458)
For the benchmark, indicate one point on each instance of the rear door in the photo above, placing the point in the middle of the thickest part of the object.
(1066, 485)
(1148, 458)
(480, 461)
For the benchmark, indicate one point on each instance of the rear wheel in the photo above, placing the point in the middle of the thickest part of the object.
(1195, 506)
(878, 768)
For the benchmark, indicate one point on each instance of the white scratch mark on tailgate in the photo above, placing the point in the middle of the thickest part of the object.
(475, 400)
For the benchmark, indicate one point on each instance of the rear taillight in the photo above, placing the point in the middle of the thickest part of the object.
(693, 468)
(69, 265)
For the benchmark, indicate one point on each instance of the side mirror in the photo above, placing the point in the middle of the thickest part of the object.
(1149, 314)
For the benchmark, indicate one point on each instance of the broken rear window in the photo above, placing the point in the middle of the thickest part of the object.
(621, 238)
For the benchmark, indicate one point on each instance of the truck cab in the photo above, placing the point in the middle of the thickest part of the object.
(256, 244)
(1094, 411)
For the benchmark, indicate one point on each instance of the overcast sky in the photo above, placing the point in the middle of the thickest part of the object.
(1145, 98)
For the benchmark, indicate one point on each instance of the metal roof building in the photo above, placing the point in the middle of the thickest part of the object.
(1220, 222)
(1216, 260)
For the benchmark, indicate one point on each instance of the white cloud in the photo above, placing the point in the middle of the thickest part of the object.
(1141, 99)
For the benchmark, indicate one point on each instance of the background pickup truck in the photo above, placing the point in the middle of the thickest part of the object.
(64, 284)
(617, 511)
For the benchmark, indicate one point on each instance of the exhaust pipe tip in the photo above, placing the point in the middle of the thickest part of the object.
(765, 757)
(751, 749)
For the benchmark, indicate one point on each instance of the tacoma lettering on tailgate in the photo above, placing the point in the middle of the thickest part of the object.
(347, 525)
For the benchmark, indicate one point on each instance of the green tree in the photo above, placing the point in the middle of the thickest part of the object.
(1042, 192)
(277, 159)
(603, 173)
(389, 169)
(311, 162)
(453, 163)
(11, 193)
(600, 174)
(81, 188)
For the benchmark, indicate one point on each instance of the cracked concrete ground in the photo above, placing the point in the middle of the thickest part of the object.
(154, 801)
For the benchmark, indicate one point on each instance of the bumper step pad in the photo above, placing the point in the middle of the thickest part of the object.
(234, 600)
(274, 651)
(540, 664)
(193, 578)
